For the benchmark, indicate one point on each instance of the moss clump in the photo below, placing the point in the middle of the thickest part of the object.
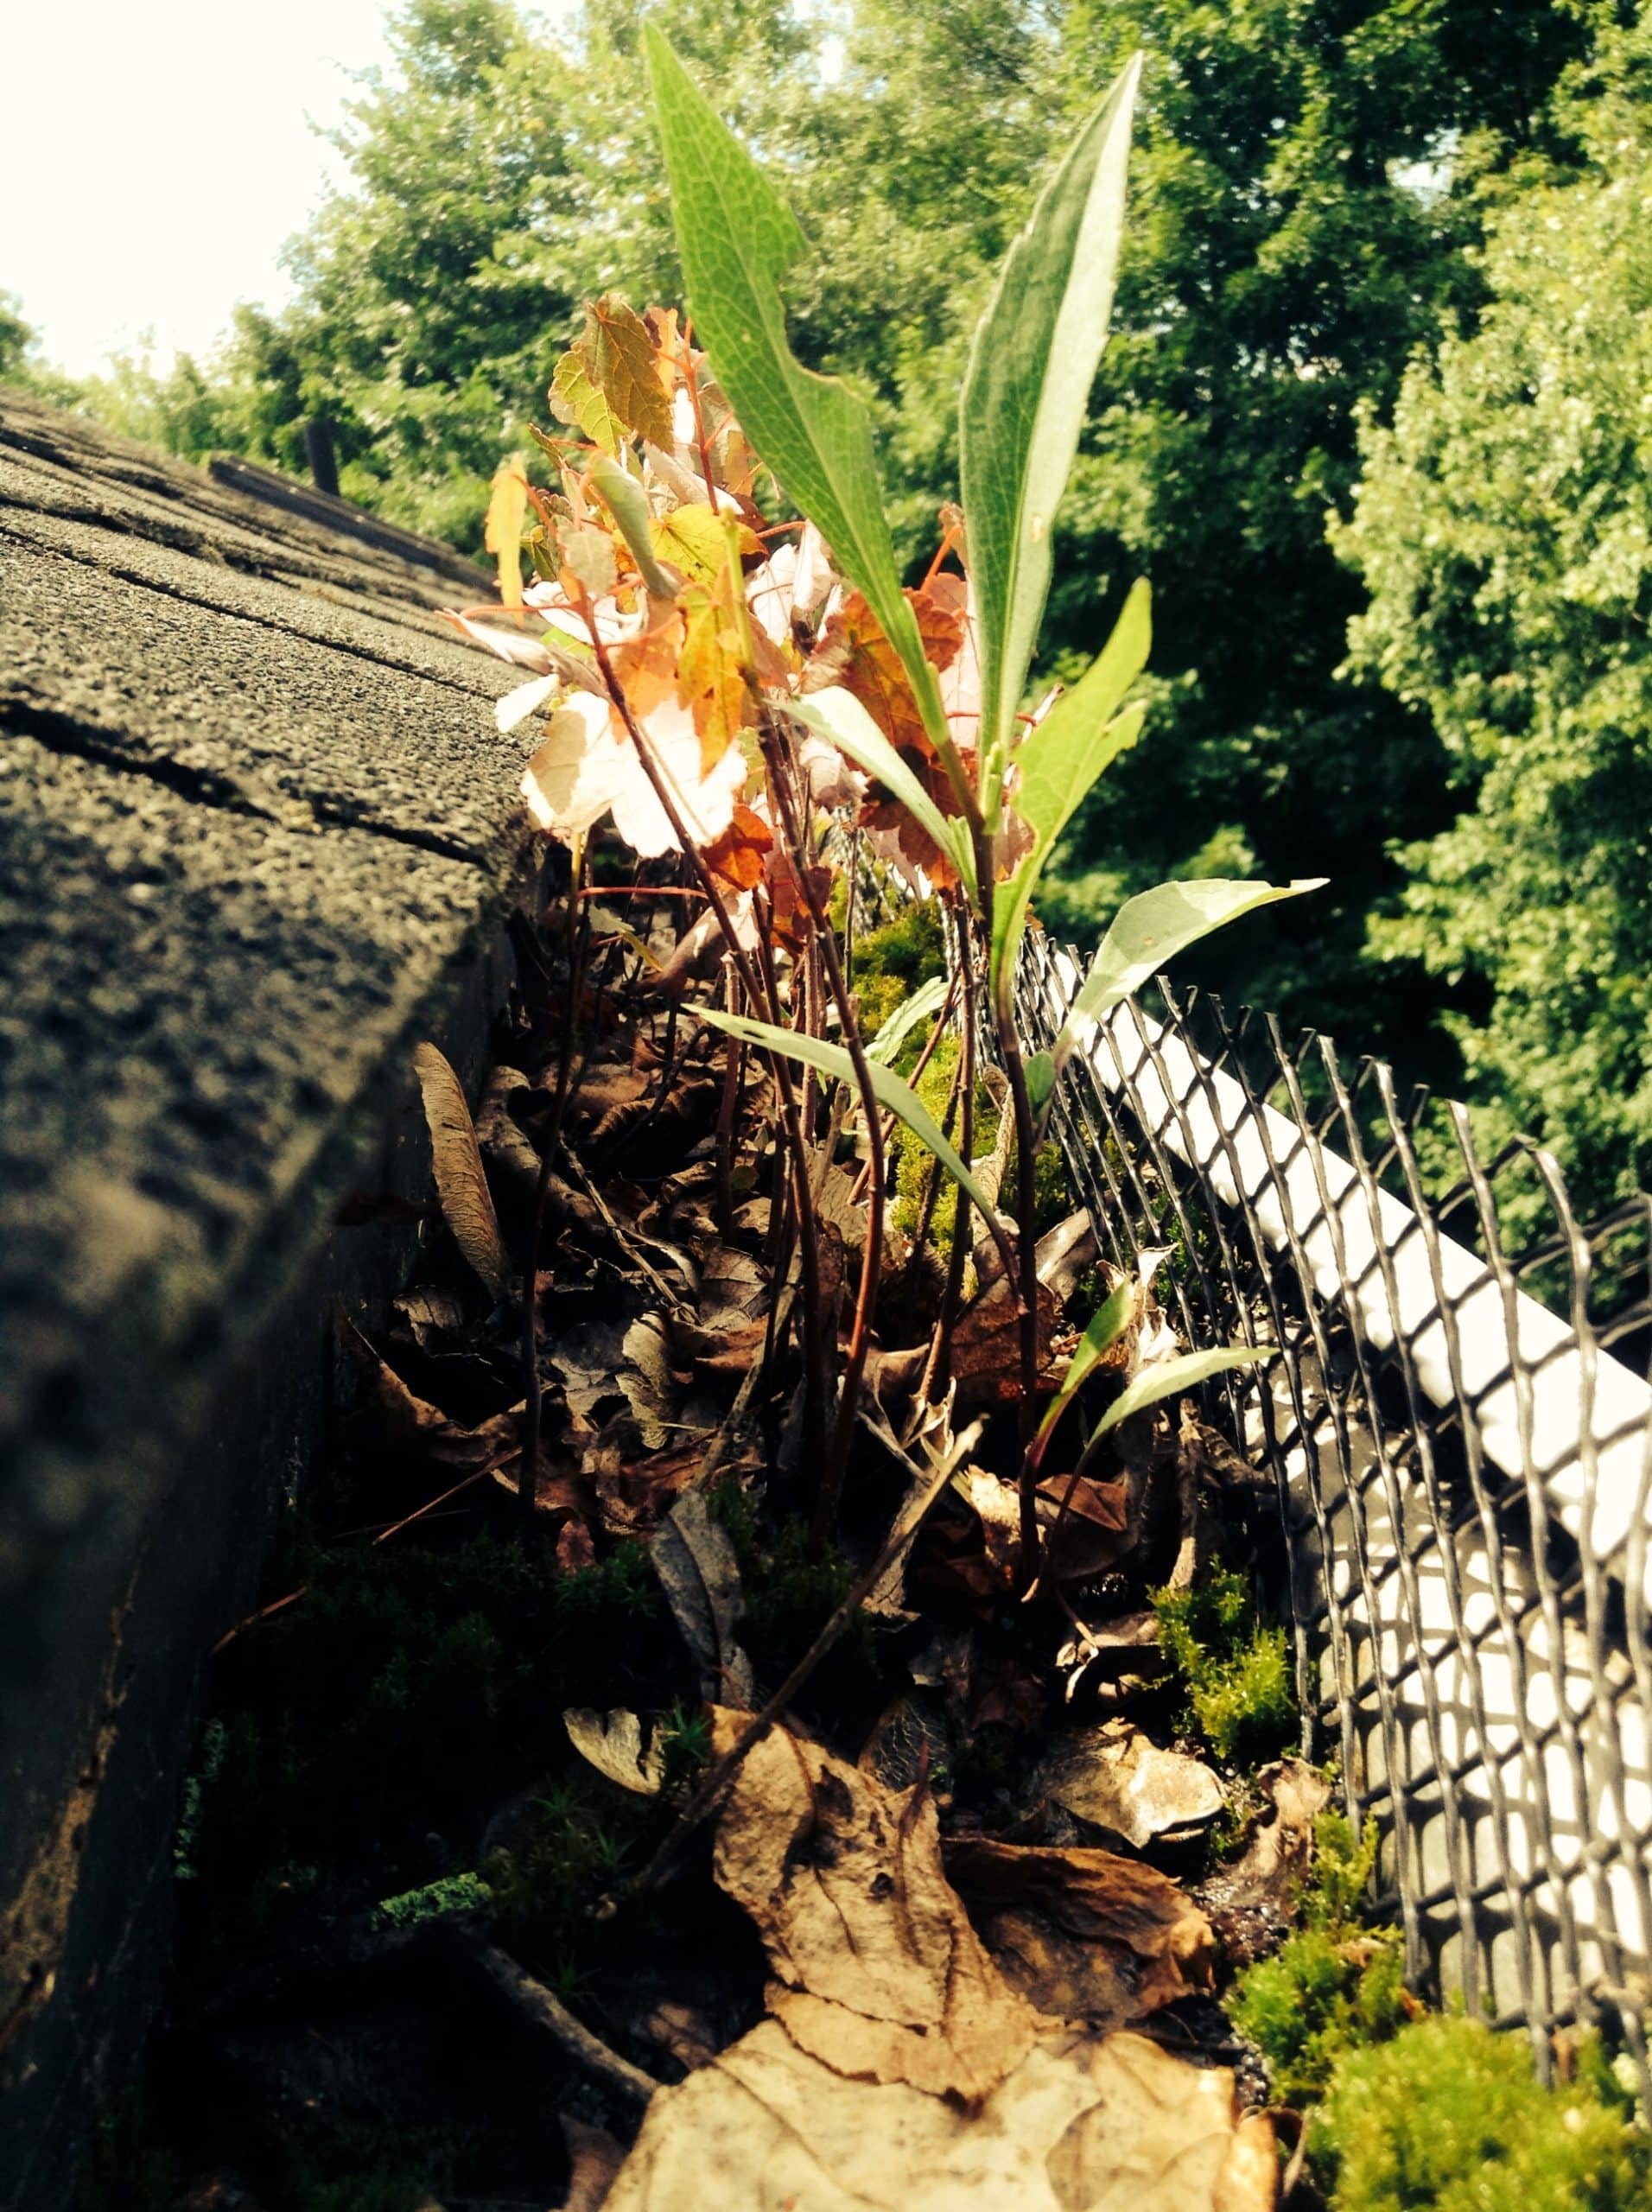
(452, 1893)
(1335, 1985)
(1316, 1999)
(570, 1851)
(1450, 2116)
(912, 1162)
(892, 962)
(1236, 1669)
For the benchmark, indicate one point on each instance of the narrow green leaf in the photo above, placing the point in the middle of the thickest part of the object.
(1106, 1324)
(628, 502)
(1060, 757)
(838, 716)
(1153, 927)
(1040, 1072)
(1031, 368)
(927, 999)
(895, 1097)
(1169, 1376)
(1060, 761)
(738, 240)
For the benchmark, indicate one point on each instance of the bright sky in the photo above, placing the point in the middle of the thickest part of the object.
(156, 155)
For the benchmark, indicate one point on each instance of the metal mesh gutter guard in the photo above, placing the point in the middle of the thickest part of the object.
(1464, 1476)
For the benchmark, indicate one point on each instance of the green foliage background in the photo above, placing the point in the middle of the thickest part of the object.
(1380, 358)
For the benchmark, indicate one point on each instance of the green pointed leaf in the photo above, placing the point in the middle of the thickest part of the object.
(1040, 1072)
(838, 716)
(1060, 757)
(738, 240)
(1060, 761)
(628, 502)
(1031, 368)
(1106, 1324)
(928, 998)
(1170, 1375)
(1153, 927)
(895, 1097)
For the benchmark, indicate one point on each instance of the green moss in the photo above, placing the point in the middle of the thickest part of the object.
(789, 1596)
(1236, 1669)
(1337, 1888)
(572, 1850)
(890, 962)
(1316, 1999)
(123, 2168)
(410, 1687)
(1449, 2115)
(911, 1161)
(452, 1893)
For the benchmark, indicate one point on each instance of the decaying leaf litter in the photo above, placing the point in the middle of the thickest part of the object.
(975, 1967)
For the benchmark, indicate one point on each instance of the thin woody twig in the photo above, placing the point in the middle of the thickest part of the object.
(533, 2002)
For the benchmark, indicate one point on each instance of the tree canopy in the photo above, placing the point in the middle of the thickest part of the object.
(1503, 529)
(1348, 222)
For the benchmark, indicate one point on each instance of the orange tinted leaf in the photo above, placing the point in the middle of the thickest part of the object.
(738, 855)
(502, 531)
(647, 666)
(609, 384)
(711, 677)
(854, 652)
(625, 365)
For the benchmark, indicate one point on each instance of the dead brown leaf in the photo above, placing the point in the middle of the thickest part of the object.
(854, 652)
(594, 2159)
(1116, 1777)
(412, 1427)
(1083, 1935)
(467, 1202)
(1097, 1529)
(986, 1346)
(1113, 2125)
(878, 1973)
(1253, 1901)
(697, 1569)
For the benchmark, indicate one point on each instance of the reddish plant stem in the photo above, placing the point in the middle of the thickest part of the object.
(816, 1347)
(764, 996)
(872, 1257)
(734, 1060)
(1009, 1052)
(528, 1475)
(700, 439)
(941, 1349)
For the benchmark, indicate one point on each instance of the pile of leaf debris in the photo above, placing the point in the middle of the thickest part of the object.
(581, 1828)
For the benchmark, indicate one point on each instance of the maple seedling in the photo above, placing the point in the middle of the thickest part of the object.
(733, 689)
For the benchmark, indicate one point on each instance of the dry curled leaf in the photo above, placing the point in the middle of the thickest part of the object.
(1083, 1935)
(1117, 1778)
(1115, 2125)
(854, 653)
(461, 1184)
(697, 1570)
(613, 1744)
(420, 1432)
(878, 1972)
